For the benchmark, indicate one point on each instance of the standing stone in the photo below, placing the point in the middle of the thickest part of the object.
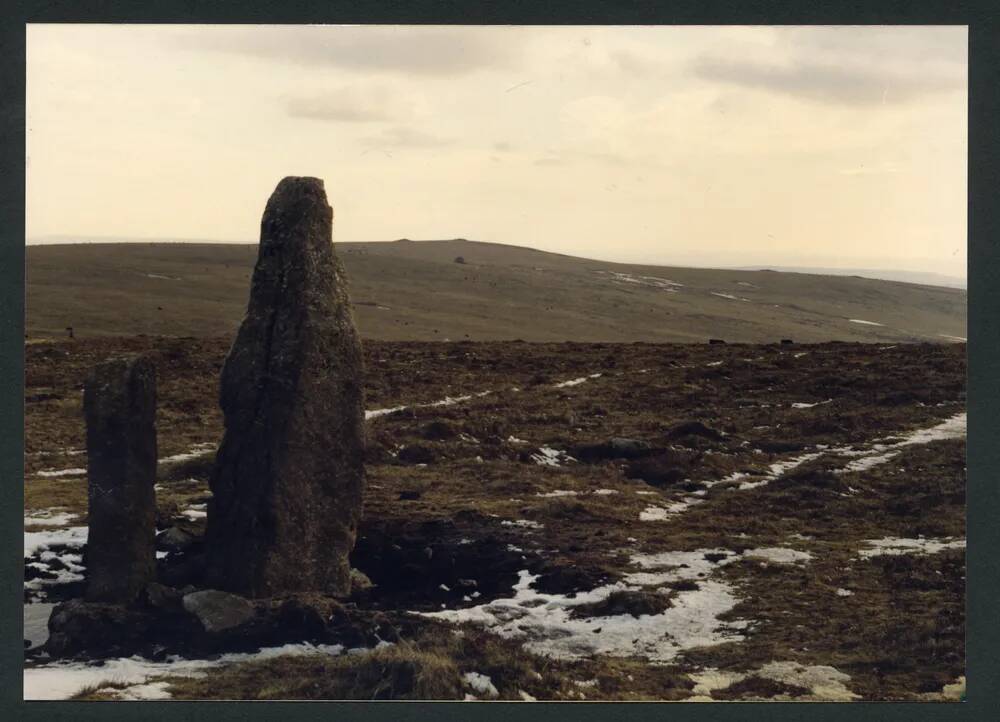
(119, 404)
(289, 474)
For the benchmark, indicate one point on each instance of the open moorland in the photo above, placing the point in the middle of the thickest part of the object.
(557, 520)
(415, 291)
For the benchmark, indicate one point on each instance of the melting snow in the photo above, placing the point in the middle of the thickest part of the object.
(480, 683)
(547, 456)
(651, 281)
(558, 492)
(61, 472)
(803, 405)
(49, 517)
(446, 401)
(39, 541)
(951, 428)
(60, 680)
(526, 523)
(575, 382)
(544, 621)
(778, 468)
(194, 452)
(867, 323)
(730, 296)
(894, 546)
(778, 555)
(653, 513)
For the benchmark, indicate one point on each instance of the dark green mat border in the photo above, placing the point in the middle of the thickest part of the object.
(984, 334)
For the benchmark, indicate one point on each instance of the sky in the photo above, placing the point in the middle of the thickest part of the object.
(685, 145)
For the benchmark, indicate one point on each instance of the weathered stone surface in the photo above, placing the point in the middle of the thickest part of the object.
(119, 403)
(288, 478)
(218, 611)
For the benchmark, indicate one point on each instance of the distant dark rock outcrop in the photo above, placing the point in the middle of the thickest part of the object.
(288, 477)
(119, 403)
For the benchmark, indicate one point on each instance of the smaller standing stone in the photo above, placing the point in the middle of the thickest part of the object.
(119, 403)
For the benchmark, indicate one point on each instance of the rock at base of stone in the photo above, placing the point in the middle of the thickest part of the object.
(218, 611)
(288, 478)
(119, 403)
(94, 628)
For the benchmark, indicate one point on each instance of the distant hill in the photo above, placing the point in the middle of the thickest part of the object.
(415, 290)
(922, 277)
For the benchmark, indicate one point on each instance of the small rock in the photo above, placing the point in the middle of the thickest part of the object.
(174, 539)
(218, 611)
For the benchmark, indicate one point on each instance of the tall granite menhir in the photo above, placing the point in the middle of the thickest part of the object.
(119, 404)
(289, 473)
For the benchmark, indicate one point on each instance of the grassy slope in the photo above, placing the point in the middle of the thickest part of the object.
(415, 291)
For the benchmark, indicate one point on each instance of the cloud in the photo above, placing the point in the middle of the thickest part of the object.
(403, 137)
(827, 83)
(350, 105)
(411, 50)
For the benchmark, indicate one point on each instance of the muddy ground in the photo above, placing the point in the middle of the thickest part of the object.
(730, 549)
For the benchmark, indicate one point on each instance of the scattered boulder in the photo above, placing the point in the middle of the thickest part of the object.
(218, 611)
(786, 341)
(288, 478)
(119, 404)
(616, 448)
(715, 341)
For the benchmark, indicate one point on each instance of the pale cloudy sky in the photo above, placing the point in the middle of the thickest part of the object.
(837, 146)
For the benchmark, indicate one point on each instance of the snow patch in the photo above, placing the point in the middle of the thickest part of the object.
(866, 323)
(49, 517)
(61, 472)
(480, 683)
(547, 456)
(60, 680)
(194, 452)
(893, 546)
(575, 382)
